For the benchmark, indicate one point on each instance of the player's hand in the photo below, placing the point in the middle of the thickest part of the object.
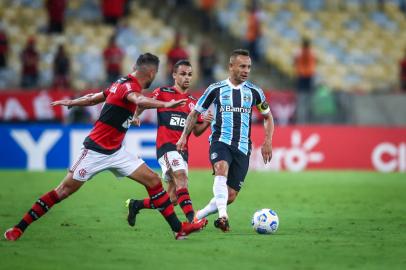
(63, 102)
(181, 144)
(208, 117)
(175, 103)
(266, 151)
(136, 121)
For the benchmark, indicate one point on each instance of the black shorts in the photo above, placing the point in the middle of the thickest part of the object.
(237, 161)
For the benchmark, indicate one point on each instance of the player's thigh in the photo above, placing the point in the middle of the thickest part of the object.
(88, 164)
(145, 176)
(124, 163)
(171, 163)
(220, 158)
(238, 170)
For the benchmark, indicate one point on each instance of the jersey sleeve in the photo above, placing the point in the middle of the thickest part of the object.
(106, 92)
(200, 119)
(125, 89)
(156, 94)
(192, 105)
(260, 101)
(206, 99)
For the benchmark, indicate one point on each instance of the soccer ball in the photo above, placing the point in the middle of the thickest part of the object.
(265, 221)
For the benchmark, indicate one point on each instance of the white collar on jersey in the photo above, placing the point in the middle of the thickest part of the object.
(234, 86)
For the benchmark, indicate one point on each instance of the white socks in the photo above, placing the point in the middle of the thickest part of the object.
(220, 192)
(209, 209)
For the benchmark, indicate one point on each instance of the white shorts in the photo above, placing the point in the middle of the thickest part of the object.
(172, 160)
(89, 163)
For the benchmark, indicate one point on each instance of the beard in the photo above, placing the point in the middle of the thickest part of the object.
(148, 84)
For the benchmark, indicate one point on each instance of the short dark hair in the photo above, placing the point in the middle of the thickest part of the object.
(147, 59)
(238, 52)
(182, 62)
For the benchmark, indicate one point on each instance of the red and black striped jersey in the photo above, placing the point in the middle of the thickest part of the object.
(171, 121)
(109, 130)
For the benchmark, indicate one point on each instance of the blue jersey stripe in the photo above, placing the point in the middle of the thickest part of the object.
(246, 101)
(226, 99)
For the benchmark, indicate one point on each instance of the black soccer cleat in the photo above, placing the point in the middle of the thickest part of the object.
(133, 209)
(222, 224)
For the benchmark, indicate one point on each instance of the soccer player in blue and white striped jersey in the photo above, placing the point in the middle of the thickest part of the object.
(230, 143)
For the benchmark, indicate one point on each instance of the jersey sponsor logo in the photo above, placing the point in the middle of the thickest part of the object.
(166, 89)
(177, 120)
(123, 80)
(227, 108)
(127, 123)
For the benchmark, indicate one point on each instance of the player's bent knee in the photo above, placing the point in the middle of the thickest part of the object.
(221, 168)
(231, 197)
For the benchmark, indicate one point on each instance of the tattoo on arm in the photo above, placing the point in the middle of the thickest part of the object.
(190, 122)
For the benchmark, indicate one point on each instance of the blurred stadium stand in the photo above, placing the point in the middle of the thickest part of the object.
(358, 43)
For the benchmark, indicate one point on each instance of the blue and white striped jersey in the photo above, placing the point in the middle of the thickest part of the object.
(232, 111)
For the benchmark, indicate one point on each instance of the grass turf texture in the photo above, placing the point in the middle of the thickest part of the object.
(328, 220)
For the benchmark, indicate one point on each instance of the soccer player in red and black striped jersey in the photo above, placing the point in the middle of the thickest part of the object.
(170, 126)
(103, 148)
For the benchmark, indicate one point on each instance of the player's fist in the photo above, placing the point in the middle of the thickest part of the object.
(266, 151)
(175, 103)
(181, 144)
(208, 117)
(136, 121)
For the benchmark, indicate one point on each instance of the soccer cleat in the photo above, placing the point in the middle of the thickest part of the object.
(188, 228)
(196, 220)
(133, 210)
(222, 224)
(13, 234)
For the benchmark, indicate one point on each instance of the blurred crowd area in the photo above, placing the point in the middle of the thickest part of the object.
(326, 49)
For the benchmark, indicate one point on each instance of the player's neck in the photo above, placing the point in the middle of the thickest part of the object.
(180, 90)
(234, 82)
(140, 78)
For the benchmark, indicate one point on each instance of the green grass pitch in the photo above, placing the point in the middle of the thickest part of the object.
(328, 220)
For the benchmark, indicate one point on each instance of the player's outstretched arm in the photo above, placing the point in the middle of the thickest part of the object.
(189, 125)
(266, 149)
(150, 103)
(86, 100)
(200, 128)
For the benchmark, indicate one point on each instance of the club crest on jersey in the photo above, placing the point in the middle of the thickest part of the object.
(213, 156)
(247, 98)
(175, 163)
(82, 173)
(191, 106)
